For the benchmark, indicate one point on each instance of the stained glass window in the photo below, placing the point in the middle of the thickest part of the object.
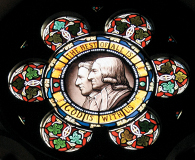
(172, 76)
(99, 80)
(140, 133)
(131, 26)
(57, 30)
(25, 81)
(62, 136)
(63, 92)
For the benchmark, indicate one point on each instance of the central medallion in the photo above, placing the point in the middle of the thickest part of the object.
(100, 80)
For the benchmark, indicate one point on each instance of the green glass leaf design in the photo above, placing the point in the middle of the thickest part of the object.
(121, 26)
(18, 83)
(136, 21)
(76, 138)
(55, 38)
(31, 92)
(167, 68)
(143, 141)
(126, 136)
(168, 87)
(55, 129)
(58, 25)
(74, 29)
(59, 143)
(145, 126)
(31, 73)
(140, 34)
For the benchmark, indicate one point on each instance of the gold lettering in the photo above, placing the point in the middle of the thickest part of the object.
(79, 115)
(86, 46)
(82, 47)
(103, 44)
(110, 116)
(121, 50)
(73, 52)
(112, 47)
(130, 107)
(65, 108)
(105, 118)
(94, 44)
(128, 54)
(68, 56)
(127, 110)
(73, 112)
(76, 50)
(120, 114)
(117, 48)
(114, 115)
(91, 117)
(91, 45)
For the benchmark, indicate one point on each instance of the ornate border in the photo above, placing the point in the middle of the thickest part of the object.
(127, 50)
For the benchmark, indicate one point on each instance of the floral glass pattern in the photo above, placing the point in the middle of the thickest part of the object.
(63, 29)
(138, 134)
(86, 46)
(25, 81)
(172, 77)
(132, 125)
(131, 26)
(62, 136)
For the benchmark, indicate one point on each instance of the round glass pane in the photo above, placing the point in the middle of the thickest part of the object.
(131, 26)
(118, 82)
(61, 28)
(25, 81)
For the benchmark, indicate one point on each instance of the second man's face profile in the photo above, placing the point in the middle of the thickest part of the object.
(95, 76)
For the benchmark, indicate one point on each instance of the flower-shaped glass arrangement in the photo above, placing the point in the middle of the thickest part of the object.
(99, 80)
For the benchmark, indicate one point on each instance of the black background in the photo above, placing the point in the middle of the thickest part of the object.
(24, 23)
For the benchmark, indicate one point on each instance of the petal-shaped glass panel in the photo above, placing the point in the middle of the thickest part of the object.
(140, 133)
(63, 136)
(63, 27)
(131, 26)
(25, 80)
(172, 76)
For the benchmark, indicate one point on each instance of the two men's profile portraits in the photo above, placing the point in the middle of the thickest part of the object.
(103, 82)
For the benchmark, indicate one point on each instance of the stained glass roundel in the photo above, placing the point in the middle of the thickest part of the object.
(172, 76)
(99, 80)
(61, 28)
(140, 133)
(131, 26)
(25, 81)
(62, 136)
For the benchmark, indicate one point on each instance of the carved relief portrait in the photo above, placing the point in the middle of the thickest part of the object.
(99, 82)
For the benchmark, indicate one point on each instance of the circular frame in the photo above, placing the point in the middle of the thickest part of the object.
(128, 51)
(25, 80)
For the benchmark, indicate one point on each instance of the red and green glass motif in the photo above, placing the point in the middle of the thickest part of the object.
(139, 134)
(172, 77)
(137, 130)
(131, 26)
(63, 136)
(26, 82)
(62, 30)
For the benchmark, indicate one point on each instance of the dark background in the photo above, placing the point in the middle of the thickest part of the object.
(23, 23)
